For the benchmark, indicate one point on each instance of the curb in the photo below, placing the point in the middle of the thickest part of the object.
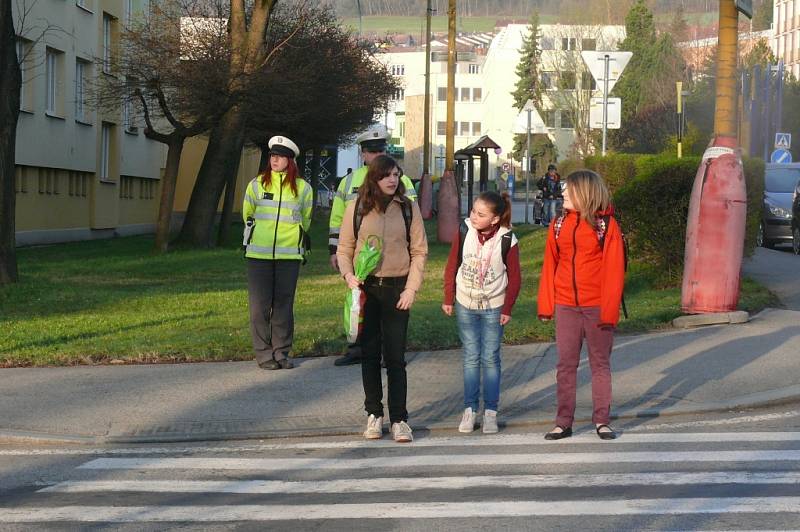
(756, 400)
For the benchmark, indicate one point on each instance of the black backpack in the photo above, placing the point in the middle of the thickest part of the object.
(505, 243)
(405, 208)
(602, 223)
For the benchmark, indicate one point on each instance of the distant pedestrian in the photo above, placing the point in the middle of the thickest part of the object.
(581, 285)
(383, 209)
(550, 185)
(277, 214)
(482, 278)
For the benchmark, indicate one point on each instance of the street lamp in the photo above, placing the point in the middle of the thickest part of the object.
(528, 108)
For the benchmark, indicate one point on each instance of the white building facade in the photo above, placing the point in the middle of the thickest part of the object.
(786, 25)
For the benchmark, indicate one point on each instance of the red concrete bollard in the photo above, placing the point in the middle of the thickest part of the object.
(715, 231)
(426, 197)
(447, 208)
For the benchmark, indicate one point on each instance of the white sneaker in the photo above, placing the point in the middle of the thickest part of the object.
(467, 421)
(374, 428)
(489, 422)
(401, 432)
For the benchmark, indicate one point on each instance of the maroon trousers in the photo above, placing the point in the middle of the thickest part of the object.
(573, 324)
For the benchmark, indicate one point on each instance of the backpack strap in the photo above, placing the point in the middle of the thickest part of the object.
(505, 246)
(356, 218)
(462, 236)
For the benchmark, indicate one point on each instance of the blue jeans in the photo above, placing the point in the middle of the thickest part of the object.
(480, 332)
(550, 211)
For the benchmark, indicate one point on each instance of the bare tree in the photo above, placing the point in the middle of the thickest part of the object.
(247, 29)
(169, 68)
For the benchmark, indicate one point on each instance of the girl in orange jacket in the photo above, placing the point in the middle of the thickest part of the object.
(581, 286)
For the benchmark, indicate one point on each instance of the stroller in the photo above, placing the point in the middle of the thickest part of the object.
(538, 207)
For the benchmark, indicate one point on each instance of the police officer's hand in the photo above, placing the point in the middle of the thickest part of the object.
(406, 299)
(334, 262)
(352, 281)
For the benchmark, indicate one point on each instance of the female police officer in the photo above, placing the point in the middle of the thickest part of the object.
(277, 214)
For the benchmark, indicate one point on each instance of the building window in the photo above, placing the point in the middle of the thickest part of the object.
(105, 151)
(81, 77)
(125, 187)
(589, 44)
(53, 78)
(587, 82)
(548, 80)
(78, 184)
(474, 68)
(48, 181)
(127, 12)
(401, 126)
(566, 119)
(441, 128)
(399, 95)
(21, 180)
(108, 25)
(547, 43)
(569, 43)
(24, 60)
(398, 70)
(442, 94)
(477, 94)
(465, 92)
(464, 129)
(549, 118)
(567, 81)
(147, 188)
(476, 129)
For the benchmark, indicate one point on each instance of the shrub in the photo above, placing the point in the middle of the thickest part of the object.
(616, 168)
(654, 205)
(567, 166)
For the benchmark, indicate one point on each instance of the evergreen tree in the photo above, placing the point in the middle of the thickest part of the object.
(678, 28)
(762, 15)
(529, 87)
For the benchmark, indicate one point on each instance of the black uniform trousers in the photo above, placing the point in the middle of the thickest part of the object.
(271, 286)
(385, 329)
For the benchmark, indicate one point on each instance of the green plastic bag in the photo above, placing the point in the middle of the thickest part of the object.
(366, 262)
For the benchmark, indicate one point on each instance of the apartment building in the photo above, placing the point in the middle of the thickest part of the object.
(485, 78)
(81, 174)
(786, 26)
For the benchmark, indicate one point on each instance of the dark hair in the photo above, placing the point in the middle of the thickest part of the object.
(291, 174)
(370, 194)
(500, 204)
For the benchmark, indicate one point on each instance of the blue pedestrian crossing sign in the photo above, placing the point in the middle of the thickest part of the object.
(783, 141)
(781, 157)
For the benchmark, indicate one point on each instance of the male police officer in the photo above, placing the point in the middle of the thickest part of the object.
(373, 144)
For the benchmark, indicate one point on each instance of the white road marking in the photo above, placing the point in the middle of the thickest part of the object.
(285, 464)
(445, 441)
(721, 422)
(413, 484)
(400, 510)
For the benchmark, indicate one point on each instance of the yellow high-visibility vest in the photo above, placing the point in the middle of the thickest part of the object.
(280, 218)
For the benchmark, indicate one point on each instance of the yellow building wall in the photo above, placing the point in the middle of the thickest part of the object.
(52, 199)
(138, 200)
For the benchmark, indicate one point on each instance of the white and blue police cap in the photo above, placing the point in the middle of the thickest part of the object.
(374, 139)
(284, 146)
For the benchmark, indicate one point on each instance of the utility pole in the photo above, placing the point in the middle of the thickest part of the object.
(426, 131)
(451, 83)
(725, 112)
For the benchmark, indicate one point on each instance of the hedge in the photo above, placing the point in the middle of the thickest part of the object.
(652, 192)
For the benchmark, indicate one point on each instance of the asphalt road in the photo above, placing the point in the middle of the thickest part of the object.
(779, 270)
(734, 471)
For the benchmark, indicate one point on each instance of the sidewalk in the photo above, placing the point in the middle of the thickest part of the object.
(673, 372)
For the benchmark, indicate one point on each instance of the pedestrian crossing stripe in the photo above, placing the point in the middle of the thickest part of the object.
(427, 461)
(476, 440)
(375, 485)
(405, 510)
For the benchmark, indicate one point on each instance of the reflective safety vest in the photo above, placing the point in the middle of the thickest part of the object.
(280, 218)
(346, 192)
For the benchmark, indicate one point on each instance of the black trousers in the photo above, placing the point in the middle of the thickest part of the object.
(271, 285)
(385, 329)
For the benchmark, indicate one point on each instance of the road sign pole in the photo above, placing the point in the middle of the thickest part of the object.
(779, 98)
(528, 163)
(606, 58)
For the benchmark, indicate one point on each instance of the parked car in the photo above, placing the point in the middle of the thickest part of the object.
(780, 181)
(796, 219)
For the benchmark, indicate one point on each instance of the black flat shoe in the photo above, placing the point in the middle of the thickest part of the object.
(606, 435)
(285, 363)
(566, 432)
(269, 364)
(346, 360)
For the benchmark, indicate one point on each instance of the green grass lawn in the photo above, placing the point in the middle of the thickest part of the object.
(113, 300)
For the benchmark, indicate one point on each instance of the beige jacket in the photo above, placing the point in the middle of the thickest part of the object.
(390, 227)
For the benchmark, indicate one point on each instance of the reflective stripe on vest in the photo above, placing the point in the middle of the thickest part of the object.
(278, 250)
(295, 217)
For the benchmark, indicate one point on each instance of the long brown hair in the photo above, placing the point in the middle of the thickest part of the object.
(291, 176)
(370, 195)
(500, 204)
(588, 193)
